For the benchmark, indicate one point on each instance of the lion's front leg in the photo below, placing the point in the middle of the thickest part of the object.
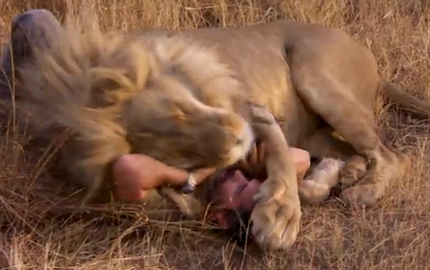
(276, 216)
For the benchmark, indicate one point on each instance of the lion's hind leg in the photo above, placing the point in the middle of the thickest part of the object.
(383, 168)
(353, 121)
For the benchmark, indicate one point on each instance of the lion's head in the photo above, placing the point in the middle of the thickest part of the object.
(180, 130)
(185, 115)
(169, 99)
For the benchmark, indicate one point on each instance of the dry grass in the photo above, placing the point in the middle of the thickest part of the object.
(394, 235)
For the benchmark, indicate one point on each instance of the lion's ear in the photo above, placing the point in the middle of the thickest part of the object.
(109, 87)
(136, 63)
(120, 75)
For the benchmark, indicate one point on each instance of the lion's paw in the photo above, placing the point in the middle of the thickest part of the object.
(276, 218)
(354, 169)
(362, 195)
(312, 192)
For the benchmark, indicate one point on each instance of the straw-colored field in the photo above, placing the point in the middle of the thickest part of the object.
(393, 235)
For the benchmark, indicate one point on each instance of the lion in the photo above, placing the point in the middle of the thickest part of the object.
(200, 98)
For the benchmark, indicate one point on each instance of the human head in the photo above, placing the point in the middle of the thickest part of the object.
(230, 198)
(231, 193)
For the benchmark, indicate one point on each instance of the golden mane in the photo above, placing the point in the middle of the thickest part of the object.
(82, 81)
(93, 73)
(200, 66)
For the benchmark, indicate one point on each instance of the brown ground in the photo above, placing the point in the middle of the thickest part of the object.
(393, 235)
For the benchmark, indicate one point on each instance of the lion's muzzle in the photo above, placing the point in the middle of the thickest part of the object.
(243, 144)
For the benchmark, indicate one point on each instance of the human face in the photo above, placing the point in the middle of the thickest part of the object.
(236, 192)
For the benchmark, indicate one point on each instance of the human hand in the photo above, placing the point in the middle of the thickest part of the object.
(134, 174)
(254, 165)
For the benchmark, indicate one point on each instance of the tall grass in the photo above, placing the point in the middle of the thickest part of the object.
(394, 235)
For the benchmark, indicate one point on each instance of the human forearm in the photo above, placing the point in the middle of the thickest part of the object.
(175, 176)
(135, 174)
(255, 164)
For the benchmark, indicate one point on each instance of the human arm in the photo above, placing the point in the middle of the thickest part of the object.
(255, 168)
(135, 174)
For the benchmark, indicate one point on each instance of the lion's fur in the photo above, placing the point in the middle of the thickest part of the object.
(92, 78)
(185, 98)
(76, 71)
(87, 78)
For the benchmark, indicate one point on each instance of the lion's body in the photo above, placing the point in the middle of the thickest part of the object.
(278, 61)
(190, 99)
(314, 80)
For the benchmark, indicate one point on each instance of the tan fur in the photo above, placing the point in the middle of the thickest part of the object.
(185, 99)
